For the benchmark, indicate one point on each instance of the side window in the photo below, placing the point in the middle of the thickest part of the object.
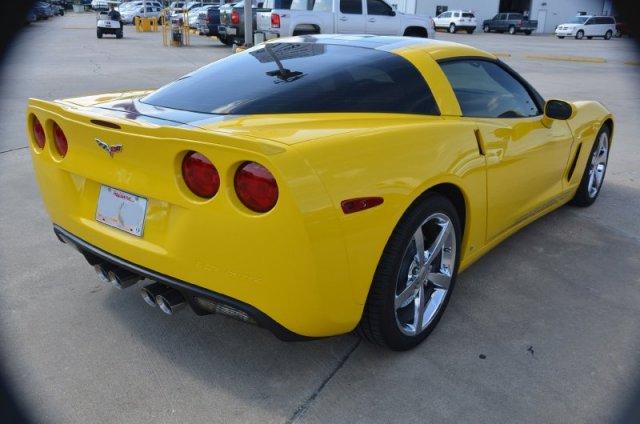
(378, 7)
(485, 90)
(456, 15)
(591, 21)
(502, 17)
(351, 7)
(318, 6)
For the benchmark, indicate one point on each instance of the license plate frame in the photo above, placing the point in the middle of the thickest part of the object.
(121, 210)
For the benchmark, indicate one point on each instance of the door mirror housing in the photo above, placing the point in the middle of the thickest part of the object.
(559, 110)
(392, 13)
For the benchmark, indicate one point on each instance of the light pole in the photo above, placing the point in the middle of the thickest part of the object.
(248, 23)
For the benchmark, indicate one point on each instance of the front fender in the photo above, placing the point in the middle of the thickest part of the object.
(589, 117)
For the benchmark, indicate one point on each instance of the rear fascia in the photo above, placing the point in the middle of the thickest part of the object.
(289, 263)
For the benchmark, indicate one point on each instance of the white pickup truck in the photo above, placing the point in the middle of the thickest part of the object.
(338, 17)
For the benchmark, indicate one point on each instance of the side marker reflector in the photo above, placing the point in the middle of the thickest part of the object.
(360, 203)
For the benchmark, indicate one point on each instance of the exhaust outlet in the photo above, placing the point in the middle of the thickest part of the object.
(170, 301)
(122, 278)
(151, 291)
(103, 273)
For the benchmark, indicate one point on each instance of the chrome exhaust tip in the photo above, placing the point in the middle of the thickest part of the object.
(103, 273)
(121, 278)
(170, 301)
(151, 291)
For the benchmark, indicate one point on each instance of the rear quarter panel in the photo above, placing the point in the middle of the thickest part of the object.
(398, 161)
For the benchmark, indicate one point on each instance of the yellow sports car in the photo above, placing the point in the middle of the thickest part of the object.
(316, 184)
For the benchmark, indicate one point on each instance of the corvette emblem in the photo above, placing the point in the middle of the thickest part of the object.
(116, 148)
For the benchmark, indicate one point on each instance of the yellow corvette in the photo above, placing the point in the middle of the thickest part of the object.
(316, 184)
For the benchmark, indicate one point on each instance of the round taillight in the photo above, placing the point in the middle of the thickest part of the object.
(200, 175)
(256, 187)
(38, 132)
(60, 140)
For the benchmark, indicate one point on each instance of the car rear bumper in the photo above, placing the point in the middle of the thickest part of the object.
(191, 292)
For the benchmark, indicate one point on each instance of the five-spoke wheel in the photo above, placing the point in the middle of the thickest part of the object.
(595, 170)
(415, 276)
(429, 261)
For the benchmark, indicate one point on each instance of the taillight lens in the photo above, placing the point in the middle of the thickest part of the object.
(256, 187)
(200, 175)
(38, 132)
(235, 17)
(275, 20)
(60, 140)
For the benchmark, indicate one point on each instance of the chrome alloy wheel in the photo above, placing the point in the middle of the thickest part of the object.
(598, 165)
(425, 274)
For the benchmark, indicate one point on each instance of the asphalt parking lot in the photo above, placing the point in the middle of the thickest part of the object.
(545, 328)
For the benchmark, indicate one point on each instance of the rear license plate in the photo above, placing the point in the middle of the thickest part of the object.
(231, 31)
(121, 210)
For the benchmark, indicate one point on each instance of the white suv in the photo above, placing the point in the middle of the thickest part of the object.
(587, 26)
(453, 20)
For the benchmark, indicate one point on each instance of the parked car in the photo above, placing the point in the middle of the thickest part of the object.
(43, 10)
(209, 21)
(342, 17)
(588, 26)
(454, 20)
(512, 23)
(337, 166)
(231, 29)
(194, 14)
(152, 10)
(100, 5)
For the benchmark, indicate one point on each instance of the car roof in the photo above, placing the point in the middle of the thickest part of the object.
(436, 48)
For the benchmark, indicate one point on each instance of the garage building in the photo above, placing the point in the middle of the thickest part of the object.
(549, 13)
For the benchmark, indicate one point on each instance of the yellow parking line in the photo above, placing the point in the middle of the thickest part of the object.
(567, 58)
(501, 54)
(632, 62)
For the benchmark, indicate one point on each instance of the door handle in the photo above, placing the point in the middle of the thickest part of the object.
(372, 19)
(344, 18)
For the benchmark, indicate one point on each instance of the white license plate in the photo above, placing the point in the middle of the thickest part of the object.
(121, 210)
(231, 31)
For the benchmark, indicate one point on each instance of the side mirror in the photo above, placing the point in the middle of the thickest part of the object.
(558, 109)
(392, 13)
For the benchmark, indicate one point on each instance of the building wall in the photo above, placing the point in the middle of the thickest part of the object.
(554, 12)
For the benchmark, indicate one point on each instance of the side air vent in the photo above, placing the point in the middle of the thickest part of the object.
(573, 163)
(105, 124)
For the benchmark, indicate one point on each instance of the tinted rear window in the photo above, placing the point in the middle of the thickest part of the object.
(468, 15)
(311, 78)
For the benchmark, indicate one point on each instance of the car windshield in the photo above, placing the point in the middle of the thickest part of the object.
(578, 20)
(301, 78)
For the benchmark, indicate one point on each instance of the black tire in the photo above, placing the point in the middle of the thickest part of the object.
(486, 28)
(608, 35)
(379, 323)
(452, 28)
(579, 35)
(561, 37)
(527, 32)
(99, 32)
(583, 197)
(470, 31)
(227, 41)
(416, 32)
(119, 33)
(512, 30)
